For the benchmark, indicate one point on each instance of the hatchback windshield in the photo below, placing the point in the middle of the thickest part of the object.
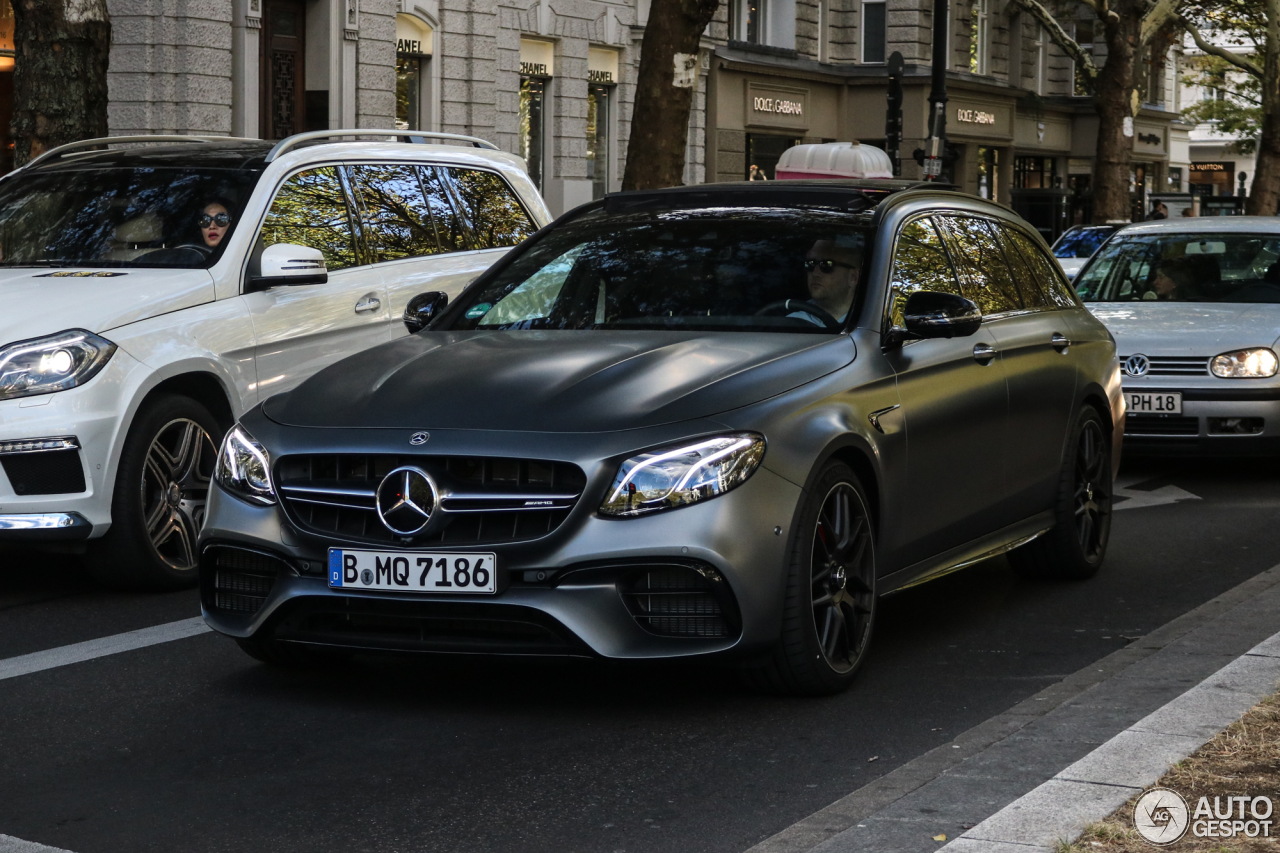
(120, 217)
(1220, 267)
(1080, 243)
(731, 269)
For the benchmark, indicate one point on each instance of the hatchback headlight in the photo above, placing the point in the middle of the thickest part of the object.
(679, 475)
(244, 467)
(53, 363)
(1256, 363)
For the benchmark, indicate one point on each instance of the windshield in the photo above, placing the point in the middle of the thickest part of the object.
(1081, 243)
(730, 269)
(120, 217)
(1221, 267)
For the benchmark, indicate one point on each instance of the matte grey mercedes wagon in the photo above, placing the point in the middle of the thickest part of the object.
(716, 420)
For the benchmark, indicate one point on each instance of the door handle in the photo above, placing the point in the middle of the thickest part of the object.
(983, 353)
(368, 303)
(1059, 342)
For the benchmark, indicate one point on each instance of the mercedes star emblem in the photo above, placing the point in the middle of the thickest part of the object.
(1137, 365)
(405, 499)
(419, 438)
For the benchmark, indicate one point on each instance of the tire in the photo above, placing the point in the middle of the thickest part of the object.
(1075, 547)
(829, 606)
(158, 504)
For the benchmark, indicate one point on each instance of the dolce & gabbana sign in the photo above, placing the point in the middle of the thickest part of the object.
(975, 116)
(776, 106)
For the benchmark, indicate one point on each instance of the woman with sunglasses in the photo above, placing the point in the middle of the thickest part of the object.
(214, 221)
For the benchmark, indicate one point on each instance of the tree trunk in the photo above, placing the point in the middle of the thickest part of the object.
(1114, 103)
(660, 119)
(1264, 195)
(60, 73)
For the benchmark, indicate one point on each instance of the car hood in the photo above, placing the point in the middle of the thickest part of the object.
(583, 381)
(43, 301)
(1187, 328)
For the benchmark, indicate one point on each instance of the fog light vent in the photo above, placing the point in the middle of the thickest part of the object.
(681, 601)
(242, 580)
(1235, 426)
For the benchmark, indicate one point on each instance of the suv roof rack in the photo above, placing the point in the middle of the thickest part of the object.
(290, 142)
(72, 147)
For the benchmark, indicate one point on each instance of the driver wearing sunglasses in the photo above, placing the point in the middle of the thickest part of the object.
(214, 221)
(832, 272)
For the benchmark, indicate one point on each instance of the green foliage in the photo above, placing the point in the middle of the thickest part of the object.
(1236, 108)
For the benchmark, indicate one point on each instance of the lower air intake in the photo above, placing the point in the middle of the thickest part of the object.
(681, 601)
(242, 580)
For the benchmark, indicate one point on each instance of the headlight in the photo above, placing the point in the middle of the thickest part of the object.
(55, 363)
(1256, 363)
(244, 467)
(680, 475)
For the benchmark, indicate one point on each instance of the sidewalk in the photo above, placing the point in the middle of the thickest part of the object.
(1073, 753)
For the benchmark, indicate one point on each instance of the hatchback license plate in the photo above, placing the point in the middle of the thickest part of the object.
(406, 571)
(1154, 402)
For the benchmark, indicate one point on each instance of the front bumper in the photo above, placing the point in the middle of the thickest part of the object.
(1214, 422)
(561, 594)
(44, 527)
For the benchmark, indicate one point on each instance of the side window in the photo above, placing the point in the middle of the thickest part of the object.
(311, 210)
(450, 231)
(985, 275)
(1047, 272)
(496, 215)
(1027, 282)
(398, 221)
(919, 263)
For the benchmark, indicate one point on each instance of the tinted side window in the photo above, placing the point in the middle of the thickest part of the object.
(496, 215)
(985, 275)
(1032, 290)
(398, 220)
(311, 210)
(919, 263)
(1047, 272)
(450, 230)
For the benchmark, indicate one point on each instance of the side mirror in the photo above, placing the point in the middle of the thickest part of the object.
(929, 314)
(424, 308)
(287, 264)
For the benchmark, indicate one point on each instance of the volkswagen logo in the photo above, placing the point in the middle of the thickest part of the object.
(405, 499)
(1137, 365)
(419, 438)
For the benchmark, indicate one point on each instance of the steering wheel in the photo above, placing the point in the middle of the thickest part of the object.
(791, 306)
(199, 247)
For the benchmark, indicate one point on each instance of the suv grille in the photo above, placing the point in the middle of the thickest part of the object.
(1161, 425)
(681, 601)
(483, 500)
(1168, 365)
(242, 580)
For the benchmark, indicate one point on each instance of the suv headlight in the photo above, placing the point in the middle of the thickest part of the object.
(244, 467)
(53, 363)
(1256, 363)
(679, 475)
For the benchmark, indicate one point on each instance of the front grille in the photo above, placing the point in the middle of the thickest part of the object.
(242, 580)
(1161, 425)
(680, 601)
(483, 500)
(55, 472)
(1169, 365)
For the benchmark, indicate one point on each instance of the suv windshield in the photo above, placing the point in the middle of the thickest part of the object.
(1221, 267)
(120, 217)
(728, 269)
(1080, 243)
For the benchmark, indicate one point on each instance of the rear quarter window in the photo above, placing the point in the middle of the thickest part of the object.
(497, 217)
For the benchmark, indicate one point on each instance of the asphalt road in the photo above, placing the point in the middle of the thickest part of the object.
(190, 745)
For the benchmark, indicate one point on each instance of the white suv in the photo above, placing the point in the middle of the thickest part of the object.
(152, 294)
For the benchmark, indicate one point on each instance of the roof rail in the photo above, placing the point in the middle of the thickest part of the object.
(290, 142)
(63, 150)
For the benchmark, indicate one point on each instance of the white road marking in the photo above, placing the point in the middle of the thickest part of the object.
(90, 649)
(1138, 498)
(9, 844)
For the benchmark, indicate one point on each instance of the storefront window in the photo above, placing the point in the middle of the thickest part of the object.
(1175, 179)
(532, 102)
(1034, 173)
(414, 43)
(1209, 179)
(408, 92)
(598, 138)
(6, 85)
(764, 150)
(988, 169)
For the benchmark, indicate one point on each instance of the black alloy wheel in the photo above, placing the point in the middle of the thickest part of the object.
(829, 609)
(161, 491)
(1075, 547)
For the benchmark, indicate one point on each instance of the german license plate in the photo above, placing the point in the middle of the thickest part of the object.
(1154, 402)
(406, 571)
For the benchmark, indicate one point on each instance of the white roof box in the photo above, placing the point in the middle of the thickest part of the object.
(834, 160)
